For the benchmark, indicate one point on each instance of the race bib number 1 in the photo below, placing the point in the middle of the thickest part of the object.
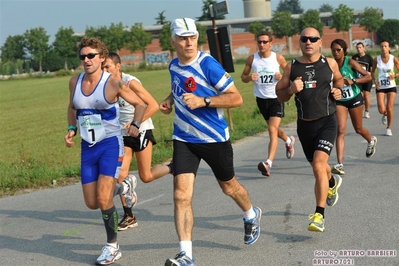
(91, 128)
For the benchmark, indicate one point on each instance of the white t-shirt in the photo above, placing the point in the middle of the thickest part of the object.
(126, 110)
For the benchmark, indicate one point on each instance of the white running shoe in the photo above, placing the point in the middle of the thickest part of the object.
(371, 147)
(109, 255)
(366, 114)
(130, 195)
(338, 169)
(389, 132)
(290, 149)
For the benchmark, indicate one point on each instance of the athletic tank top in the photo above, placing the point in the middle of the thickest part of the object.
(127, 110)
(384, 70)
(97, 118)
(351, 91)
(315, 100)
(265, 86)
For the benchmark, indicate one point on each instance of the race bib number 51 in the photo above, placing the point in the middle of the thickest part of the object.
(91, 128)
(347, 92)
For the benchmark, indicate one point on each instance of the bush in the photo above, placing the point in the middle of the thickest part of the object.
(63, 73)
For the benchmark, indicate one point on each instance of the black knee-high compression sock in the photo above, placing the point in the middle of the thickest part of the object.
(110, 218)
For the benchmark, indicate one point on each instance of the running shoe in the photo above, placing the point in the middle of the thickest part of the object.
(384, 119)
(317, 223)
(109, 255)
(366, 114)
(338, 169)
(389, 132)
(127, 222)
(180, 260)
(130, 195)
(332, 197)
(134, 178)
(252, 227)
(264, 168)
(371, 147)
(290, 150)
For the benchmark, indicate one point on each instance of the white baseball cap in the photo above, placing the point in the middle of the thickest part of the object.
(184, 27)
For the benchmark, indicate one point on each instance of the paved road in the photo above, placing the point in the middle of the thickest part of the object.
(53, 226)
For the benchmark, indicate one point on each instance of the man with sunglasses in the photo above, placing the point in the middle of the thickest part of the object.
(316, 82)
(93, 106)
(265, 65)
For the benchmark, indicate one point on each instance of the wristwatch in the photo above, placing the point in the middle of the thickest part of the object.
(207, 101)
(135, 124)
(354, 81)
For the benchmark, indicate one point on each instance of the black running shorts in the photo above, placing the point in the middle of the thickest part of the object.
(219, 156)
(140, 142)
(318, 134)
(270, 108)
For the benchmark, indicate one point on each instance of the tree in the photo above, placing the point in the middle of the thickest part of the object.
(206, 15)
(118, 36)
(36, 42)
(283, 25)
(101, 33)
(164, 39)
(114, 37)
(342, 18)
(311, 18)
(13, 49)
(256, 27)
(292, 6)
(203, 38)
(326, 8)
(389, 31)
(371, 20)
(65, 44)
(138, 39)
(161, 19)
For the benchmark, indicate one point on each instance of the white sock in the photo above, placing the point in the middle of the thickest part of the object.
(288, 141)
(269, 162)
(114, 245)
(250, 214)
(187, 246)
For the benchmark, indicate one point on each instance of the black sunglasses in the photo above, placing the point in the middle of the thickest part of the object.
(337, 50)
(90, 56)
(312, 39)
(264, 42)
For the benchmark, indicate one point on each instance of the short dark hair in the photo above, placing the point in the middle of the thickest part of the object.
(360, 43)
(385, 41)
(114, 57)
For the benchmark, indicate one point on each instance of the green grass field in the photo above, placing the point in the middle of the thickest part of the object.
(33, 123)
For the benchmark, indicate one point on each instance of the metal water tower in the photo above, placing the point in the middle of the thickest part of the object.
(257, 8)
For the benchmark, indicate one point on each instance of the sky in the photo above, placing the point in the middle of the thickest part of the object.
(17, 16)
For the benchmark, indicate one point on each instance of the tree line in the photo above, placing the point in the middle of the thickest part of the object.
(31, 51)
